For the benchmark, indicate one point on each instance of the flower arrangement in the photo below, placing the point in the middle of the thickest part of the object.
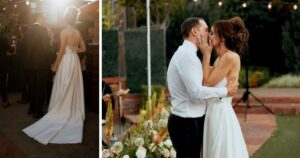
(149, 138)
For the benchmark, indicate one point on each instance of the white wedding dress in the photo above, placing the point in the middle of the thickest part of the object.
(222, 136)
(63, 124)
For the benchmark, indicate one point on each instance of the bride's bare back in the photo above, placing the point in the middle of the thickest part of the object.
(72, 37)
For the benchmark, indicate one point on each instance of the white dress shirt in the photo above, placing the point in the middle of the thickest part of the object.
(185, 78)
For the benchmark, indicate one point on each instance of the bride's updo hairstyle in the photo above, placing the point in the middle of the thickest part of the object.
(234, 32)
(70, 15)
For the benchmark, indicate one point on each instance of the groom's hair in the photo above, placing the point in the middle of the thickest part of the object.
(188, 24)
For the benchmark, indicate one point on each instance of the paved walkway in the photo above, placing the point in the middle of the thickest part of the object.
(260, 124)
(15, 144)
(257, 129)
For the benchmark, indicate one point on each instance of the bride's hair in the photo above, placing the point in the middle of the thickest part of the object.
(234, 32)
(71, 15)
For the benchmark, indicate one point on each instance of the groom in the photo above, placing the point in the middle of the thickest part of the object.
(37, 53)
(188, 96)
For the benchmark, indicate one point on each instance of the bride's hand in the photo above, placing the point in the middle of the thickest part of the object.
(53, 67)
(204, 45)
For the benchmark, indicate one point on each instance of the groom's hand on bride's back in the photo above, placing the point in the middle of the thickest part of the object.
(232, 87)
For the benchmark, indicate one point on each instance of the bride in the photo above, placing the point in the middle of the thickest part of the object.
(222, 133)
(63, 123)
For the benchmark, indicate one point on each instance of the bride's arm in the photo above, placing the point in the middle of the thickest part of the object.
(220, 71)
(61, 51)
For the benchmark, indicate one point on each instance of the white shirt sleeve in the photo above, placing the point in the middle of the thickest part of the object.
(191, 73)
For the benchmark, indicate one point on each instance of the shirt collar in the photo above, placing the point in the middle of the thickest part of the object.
(190, 45)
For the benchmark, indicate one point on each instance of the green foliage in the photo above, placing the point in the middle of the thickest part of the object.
(284, 81)
(8, 20)
(136, 57)
(106, 15)
(110, 55)
(257, 76)
(174, 37)
(149, 134)
(229, 9)
(291, 42)
(155, 89)
(160, 9)
(112, 14)
(284, 142)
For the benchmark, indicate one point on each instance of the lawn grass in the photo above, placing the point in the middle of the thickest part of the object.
(285, 141)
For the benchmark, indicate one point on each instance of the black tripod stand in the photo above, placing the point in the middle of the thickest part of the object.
(245, 97)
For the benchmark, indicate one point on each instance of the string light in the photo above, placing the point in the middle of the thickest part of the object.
(295, 7)
(27, 2)
(195, 0)
(4, 9)
(270, 5)
(220, 3)
(244, 5)
(15, 5)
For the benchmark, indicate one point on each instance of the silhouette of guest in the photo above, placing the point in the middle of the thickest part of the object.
(4, 49)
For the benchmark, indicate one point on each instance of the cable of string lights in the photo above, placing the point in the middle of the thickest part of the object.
(245, 4)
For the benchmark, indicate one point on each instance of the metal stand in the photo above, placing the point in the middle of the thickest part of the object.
(245, 97)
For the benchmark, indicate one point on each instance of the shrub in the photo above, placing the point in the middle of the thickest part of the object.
(149, 138)
(136, 57)
(110, 53)
(284, 81)
(154, 89)
(257, 76)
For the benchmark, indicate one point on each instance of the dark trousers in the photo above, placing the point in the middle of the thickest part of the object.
(3, 82)
(38, 86)
(24, 85)
(186, 135)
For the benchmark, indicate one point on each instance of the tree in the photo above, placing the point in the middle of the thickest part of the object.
(291, 42)
(8, 18)
(174, 36)
(160, 10)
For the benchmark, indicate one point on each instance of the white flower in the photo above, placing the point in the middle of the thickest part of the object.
(162, 123)
(141, 152)
(148, 124)
(139, 141)
(164, 114)
(117, 147)
(168, 143)
(173, 153)
(165, 152)
(106, 153)
(126, 156)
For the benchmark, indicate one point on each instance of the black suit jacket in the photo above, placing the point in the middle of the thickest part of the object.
(37, 49)
(4, 48)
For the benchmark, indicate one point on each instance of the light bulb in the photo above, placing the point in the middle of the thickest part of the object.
(220, 3)
(270, 5)
(244, 5)
(295, 7)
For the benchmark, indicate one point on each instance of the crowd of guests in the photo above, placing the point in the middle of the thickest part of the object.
(13, 73)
